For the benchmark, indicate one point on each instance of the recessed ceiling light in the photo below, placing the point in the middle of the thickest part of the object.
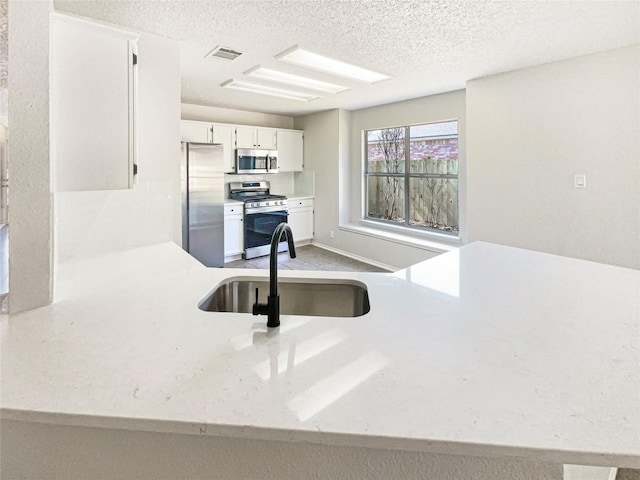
(296, 80)
(265, 90)
(308, 59)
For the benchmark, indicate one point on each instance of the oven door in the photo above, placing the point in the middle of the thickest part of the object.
(258, 229)
(252, 161)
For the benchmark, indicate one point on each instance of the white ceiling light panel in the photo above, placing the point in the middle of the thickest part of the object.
(305, 58)
(266, 90)
(295, 80)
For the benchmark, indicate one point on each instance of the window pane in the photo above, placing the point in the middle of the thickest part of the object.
(434, 203)
(433, 148)
(385, 198)
(386, 150)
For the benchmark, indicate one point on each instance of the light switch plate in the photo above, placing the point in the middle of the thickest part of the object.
(580, 181)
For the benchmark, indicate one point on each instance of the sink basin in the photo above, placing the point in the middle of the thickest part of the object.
(298, 296)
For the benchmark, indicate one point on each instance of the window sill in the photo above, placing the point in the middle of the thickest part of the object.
(433, 242)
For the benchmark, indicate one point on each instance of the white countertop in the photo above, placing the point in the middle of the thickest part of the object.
(486, 350)
(299, 196)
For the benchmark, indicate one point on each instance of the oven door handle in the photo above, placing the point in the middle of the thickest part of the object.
(277, 208)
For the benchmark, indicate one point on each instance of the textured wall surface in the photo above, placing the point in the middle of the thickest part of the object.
(531, 131)
(44, 451)
(31, 238)
(98, 221)
(321, 143)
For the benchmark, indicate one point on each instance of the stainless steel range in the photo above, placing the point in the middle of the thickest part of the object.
(263, 212)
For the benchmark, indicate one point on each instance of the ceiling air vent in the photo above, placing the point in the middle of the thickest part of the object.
(223, 53)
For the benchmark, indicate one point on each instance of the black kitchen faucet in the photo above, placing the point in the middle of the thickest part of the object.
(272, 307)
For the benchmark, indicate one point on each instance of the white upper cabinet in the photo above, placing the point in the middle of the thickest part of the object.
(223, 134)
(197, 132)
(245, 137)
(290, 150)
(289, 143)
(266, 138)
(255, 137)
(93, 105)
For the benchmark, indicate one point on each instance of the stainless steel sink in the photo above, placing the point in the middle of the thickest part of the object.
(298, 296)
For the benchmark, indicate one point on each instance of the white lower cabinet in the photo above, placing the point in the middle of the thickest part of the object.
(233, 230)
(301, 219)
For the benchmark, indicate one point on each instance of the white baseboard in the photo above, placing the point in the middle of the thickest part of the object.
(384, 266)
(232, 258)
(302, 243)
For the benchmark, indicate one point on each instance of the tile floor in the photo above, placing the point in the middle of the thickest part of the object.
(309, 257)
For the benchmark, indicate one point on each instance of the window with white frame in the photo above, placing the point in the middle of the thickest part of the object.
(411, 176)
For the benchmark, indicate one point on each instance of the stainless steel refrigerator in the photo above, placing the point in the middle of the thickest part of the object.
(203, 202)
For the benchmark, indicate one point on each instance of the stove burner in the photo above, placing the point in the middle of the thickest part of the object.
(257, 198)
(252, 192)
(256, 195)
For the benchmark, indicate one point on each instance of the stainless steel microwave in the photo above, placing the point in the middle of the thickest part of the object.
(256, 161)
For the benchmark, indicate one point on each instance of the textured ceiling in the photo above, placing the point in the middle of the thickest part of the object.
(428, 46)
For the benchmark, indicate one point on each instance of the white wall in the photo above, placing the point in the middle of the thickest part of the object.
(321, 155)
(531, 130)
(228, 115)
(31, 235)
(99, 221)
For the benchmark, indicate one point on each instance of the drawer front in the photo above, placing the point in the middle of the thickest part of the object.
(233, 209)
(302, 203)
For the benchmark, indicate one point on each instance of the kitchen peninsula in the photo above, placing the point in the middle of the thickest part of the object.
(487, 362)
